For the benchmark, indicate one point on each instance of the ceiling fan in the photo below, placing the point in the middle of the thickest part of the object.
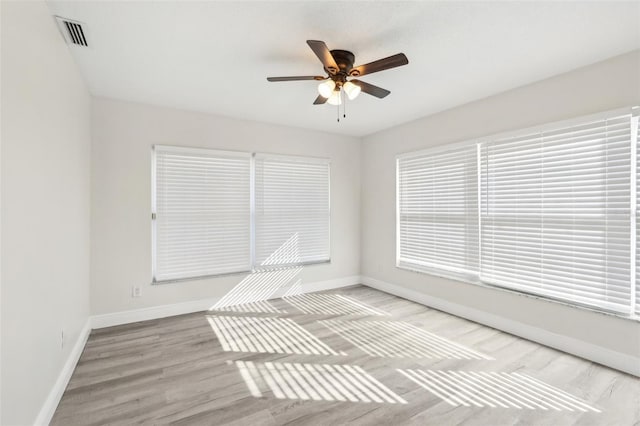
(338, 64)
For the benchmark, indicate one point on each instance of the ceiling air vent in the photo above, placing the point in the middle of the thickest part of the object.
(72, 31)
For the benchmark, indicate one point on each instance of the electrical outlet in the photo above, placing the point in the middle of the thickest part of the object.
(136, 291)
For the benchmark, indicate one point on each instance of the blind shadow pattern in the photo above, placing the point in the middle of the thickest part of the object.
(395, 339)
(331, 304)
(294, 289)
(495, 390)
(266, 335)
(257, 307)
(317, 382)
(257, 287)
(263, 283)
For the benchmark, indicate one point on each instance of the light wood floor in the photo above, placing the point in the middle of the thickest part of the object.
(356, 356)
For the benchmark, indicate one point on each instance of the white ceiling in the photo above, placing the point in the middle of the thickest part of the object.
(215, 56)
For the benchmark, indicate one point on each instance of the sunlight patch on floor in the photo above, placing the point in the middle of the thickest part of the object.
(316, 382)
(495, 390)
(266, 335)
(332, 304)
(397, 339)
(258, 307)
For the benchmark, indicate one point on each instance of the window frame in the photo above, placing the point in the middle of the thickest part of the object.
(253, 267)
(474, 279)
(297, 159)
(431, 267)
(154, 222)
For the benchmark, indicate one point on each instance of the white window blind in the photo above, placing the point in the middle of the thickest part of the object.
(555, 214)
(291, 210)
(437, 210)
(202, 213)
(635, 131)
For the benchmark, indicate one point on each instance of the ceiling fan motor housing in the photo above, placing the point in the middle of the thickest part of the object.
(345, 60)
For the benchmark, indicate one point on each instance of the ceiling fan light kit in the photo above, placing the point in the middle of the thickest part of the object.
(326, 88)
(335, 98)
(352, 90)
(338, 64)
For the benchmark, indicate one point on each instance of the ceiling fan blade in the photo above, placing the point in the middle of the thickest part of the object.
(322, 52)
(296, 78)
(380, 65)
(376, 91)
(320, 100)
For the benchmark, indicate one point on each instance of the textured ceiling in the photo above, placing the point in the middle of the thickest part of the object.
(215, 56)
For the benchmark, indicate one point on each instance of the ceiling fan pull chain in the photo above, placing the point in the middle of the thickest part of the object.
(338, 110)
(344, 107)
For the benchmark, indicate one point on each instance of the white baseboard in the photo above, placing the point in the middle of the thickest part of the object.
(53, 399)
(163, 311)
(153, 312)
(601, 355)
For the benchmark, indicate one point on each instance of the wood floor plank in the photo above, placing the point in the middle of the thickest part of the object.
(176, 370)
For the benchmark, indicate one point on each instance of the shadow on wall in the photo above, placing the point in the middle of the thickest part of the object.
(252, 293)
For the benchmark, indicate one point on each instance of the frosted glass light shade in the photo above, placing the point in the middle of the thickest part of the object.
(326, 88)
(352, 90)
(335, 98)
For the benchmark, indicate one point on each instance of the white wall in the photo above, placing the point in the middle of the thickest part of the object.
(45, 207)
(607, 85)
(123, 134)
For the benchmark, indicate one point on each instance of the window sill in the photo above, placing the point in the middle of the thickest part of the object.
(260, 270)
(464, 278)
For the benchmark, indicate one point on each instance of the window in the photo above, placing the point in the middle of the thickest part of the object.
(438, 211)
(202, 213)
(555, 213)
(551, 213)
(291, 210)
(220, 212)
(635, 129)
